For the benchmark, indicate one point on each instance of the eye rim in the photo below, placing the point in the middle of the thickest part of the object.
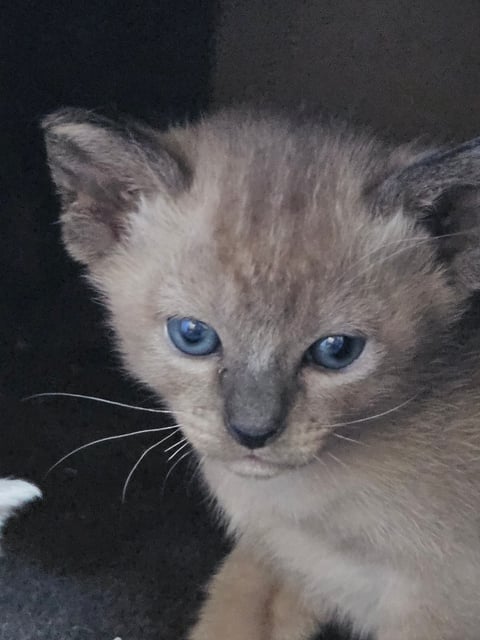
(192, 349)
(357, 345)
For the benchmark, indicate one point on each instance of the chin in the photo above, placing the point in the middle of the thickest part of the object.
(251, 466)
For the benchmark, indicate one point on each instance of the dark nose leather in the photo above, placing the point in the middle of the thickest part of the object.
(251, 437)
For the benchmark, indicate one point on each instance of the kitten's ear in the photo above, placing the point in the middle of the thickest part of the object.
(101, 170)
(442, 191)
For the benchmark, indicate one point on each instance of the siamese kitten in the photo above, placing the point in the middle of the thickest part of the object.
(297, 293)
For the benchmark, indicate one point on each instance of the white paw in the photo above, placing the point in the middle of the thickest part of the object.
(13, 495)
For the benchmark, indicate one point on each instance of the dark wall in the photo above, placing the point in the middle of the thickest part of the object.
(150, 59)
(81, 565)
(404, 66)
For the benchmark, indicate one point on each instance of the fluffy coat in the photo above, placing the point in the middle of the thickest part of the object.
(276, 231)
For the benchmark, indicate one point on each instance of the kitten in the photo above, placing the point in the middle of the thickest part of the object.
(298, 293)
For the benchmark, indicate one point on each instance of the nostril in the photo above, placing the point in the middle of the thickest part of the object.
(251, 437)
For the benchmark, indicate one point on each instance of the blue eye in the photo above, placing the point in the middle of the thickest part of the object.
(192, 336)
(335, 352)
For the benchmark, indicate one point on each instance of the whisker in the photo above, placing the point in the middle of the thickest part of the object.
(185, 444)
(137, 464)
(378, 415)
(110, 438)
(196, 470)
(175, 445)
(123, 405)
(340, 437)
(417, 242)
(376, 264)
(326, 467)
(413, 241)
(330, 455)
(177, 462)
(318, 459)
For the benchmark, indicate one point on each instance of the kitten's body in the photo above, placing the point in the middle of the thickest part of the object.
(358, 537)
(364, 505)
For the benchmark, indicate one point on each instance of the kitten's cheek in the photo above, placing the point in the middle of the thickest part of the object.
(205, 440)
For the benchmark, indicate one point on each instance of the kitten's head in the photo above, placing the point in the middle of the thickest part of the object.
(271, 280)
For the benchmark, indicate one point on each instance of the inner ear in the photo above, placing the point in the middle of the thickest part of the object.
(440, 192)
(452, 218)
(453, 221)
(101, 170)
(438, 217)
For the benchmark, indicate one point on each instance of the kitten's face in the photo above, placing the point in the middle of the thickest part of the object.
(274, 246)
(271, 282)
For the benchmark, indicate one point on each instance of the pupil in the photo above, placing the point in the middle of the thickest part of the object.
(335, 344)
(192, 331)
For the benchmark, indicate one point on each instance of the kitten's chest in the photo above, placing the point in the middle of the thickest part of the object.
(292, 528)
(360, 588)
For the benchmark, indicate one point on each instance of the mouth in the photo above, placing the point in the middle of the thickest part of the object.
(252, 466)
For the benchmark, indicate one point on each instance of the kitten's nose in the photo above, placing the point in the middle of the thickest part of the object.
(252, 437)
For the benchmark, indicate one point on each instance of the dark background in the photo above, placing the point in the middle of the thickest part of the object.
(82, 565)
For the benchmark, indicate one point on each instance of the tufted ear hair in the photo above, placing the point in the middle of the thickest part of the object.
(442, 191)
(101, 169)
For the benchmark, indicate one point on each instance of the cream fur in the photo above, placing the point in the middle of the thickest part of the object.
(277, 232)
